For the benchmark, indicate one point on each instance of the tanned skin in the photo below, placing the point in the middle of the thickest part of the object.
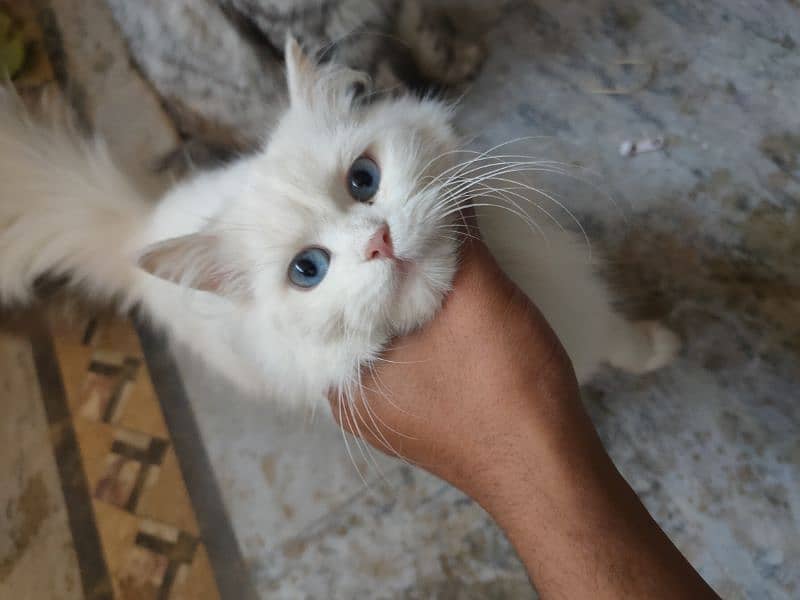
(485, 398)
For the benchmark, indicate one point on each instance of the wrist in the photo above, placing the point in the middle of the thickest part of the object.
(545, 444)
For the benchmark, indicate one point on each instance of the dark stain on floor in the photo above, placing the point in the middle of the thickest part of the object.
(26, 516)
(783, 149)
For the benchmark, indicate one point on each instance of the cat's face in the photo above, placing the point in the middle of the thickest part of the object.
(353, 240)
(340, 231)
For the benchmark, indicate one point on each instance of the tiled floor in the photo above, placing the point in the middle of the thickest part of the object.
(148, 532)
(704, 233)
(97, 476)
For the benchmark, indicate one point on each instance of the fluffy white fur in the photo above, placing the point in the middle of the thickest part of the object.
(209, 261)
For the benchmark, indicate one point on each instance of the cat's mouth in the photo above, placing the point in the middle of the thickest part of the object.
(381, 248)
(405, 267)
(400, 270)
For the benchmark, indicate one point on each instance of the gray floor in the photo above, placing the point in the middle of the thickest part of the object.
(704, 233)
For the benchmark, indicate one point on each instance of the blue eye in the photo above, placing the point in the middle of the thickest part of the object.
(363, 179)
(309, 268)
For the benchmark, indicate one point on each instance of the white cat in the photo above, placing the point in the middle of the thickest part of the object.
(291, 268)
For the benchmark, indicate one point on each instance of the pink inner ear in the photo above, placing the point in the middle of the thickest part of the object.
(225, 282)
(201, 256)
(229, 283)
(211, 283)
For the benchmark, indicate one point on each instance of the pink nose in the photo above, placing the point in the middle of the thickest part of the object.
(380, 244)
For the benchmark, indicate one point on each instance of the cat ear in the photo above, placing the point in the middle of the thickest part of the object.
(301, 72)
(198, 261)
(342, 86)
(303, 75)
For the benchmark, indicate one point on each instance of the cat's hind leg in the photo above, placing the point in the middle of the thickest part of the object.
(641, 346)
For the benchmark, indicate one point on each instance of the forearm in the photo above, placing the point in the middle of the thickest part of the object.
(484, 396)
(578, 527)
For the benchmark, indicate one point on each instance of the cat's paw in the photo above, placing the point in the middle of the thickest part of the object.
(664, 345)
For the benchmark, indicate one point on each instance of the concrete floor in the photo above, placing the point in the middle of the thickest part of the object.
(704, 233)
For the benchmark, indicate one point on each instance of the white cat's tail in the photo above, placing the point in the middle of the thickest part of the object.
(65, 209)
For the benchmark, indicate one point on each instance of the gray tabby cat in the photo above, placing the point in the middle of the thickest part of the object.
(401, 41)
(218, 64)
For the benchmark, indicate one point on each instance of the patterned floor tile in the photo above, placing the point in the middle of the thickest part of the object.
(143, 512)
(97, 493)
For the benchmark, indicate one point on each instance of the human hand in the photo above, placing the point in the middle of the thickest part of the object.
(458, 397)
(484, 397)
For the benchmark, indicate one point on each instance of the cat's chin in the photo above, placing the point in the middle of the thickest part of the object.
(421, 290)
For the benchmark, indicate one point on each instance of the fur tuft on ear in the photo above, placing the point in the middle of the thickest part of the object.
(327, 85)
(300, 71)
(198, 261)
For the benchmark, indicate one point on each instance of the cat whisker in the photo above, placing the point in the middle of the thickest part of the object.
(344, 413)
(561, 205)
(510, 168)
(485, 153)
(433, 179)
(375, 418)
(460, 236)
(365, 450)
(387, 397)
(491, 161)
(525, 218)
(568, 170)
(459, 229)
(485, 170)
(558, 203)
(363, 447)
(457, 186)
(480, 162)
(562, 169)
(491, 165)
(518, 210)
(482, 188)
(374, 429)
(539, 207)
